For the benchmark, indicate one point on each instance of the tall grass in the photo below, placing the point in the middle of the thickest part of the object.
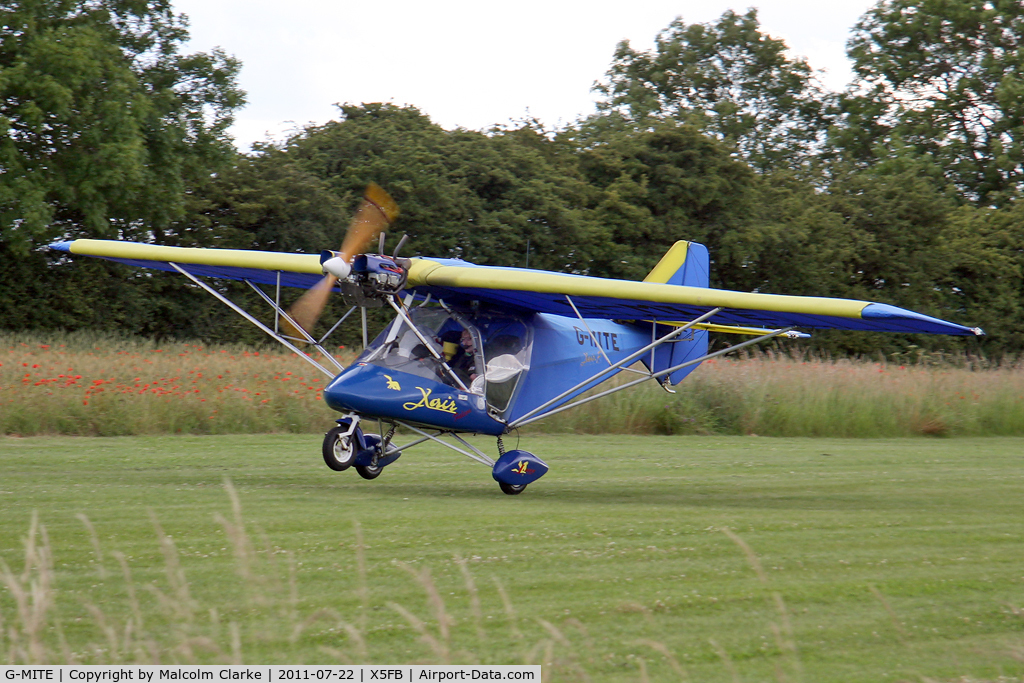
(88, 384)
(773, 394)
(98, 385)
(163, 623)
(886, 561)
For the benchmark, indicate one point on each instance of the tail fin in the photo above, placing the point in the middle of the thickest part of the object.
(685, 263)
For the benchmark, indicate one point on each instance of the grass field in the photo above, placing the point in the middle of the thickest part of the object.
(844, 560)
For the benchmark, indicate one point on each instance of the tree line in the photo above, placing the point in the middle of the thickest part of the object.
(906, 188)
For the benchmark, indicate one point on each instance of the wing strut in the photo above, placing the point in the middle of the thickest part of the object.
(533, 416)
(242, 312)
(281, 313)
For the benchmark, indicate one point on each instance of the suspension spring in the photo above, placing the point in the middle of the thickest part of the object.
(387, 439)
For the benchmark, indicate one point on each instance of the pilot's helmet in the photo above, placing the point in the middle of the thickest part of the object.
(450, 343)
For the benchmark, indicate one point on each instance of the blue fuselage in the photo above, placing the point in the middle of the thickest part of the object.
(566, 353)
(392, 394)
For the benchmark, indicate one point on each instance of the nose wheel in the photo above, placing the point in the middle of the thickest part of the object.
(339, 449)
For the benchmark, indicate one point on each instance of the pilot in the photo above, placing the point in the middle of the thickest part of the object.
(460, 354)
(464, 363)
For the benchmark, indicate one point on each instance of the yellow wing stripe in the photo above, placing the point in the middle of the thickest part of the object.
(238, 258)
(426, 272)
(670, 263)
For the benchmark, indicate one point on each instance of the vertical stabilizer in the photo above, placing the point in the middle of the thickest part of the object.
(685, 263)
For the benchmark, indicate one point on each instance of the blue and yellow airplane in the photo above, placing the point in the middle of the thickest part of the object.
(484, 350)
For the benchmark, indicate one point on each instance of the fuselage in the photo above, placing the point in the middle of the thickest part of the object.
(376, 391)
(550, 355)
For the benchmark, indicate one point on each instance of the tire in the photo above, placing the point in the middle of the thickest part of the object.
(369, 471)
(511, 489)
(339, 451)
(373, 471)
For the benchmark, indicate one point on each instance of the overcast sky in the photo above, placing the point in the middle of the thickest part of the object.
(470, 64)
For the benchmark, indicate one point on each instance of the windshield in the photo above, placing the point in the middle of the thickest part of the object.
(486, 355)
(399, 347)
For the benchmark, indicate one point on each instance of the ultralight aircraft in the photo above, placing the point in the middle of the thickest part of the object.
(485, 350)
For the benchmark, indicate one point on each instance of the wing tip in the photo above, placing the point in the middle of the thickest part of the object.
(917, 322)
(62, 246)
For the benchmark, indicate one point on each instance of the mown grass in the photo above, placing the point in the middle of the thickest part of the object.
(724, 558)
(84, 384)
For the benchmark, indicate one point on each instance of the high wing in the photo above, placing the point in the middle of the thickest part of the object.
(296, 270)
(458, 282)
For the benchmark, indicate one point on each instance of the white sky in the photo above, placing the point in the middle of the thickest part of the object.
(466, 63)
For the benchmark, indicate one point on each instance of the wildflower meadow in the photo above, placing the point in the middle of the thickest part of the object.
(98, 385)
(101, 386)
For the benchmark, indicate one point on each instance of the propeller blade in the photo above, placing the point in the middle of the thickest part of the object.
(307, 308)
(376, 212)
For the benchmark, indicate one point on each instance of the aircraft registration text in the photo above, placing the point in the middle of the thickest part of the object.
(608, 340)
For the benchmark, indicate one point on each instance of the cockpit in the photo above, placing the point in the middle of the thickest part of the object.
(488, 357)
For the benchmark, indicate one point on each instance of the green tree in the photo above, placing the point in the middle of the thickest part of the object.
(895, 213)
(482, 197)
(984, 279)
(105, 129)
(944, 76)
(768, 233)
(102, 123)
(730, 80)
(463, 193)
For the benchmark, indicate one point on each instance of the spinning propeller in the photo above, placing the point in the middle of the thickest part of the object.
(376, 212)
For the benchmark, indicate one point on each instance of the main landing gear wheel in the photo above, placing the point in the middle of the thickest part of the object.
(373, 471)
(340, 450)
(369, 471)
(511, 489)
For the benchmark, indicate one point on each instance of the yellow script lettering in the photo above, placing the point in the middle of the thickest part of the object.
(441, 405)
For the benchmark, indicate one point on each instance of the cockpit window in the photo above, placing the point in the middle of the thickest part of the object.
(437, 336)
(507, 344)
(488, 355)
